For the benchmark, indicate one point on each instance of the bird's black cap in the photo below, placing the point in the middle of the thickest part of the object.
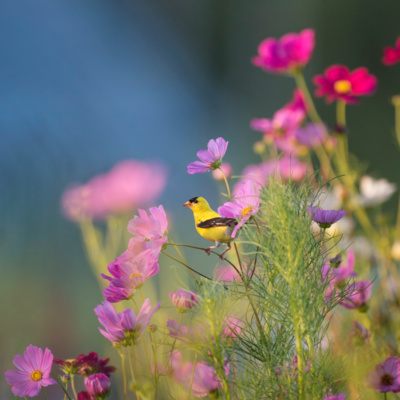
(193, 200)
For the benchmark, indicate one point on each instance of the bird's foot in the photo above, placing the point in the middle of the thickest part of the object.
(208, 251)
(221, 256)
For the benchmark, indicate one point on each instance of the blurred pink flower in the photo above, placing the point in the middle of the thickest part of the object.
(188, 334)
(226, 274)
(311, 135)
(386, 376)
(226, 169)
(204, 382)
(124, 328)
(128, 185)
(33, 372)
(183, 300)
(284, 55)
(127, 276)
(342, 272)
(391, 55)
(84, 396)
(338, 83)
(233, 327)
(360, 332)
(246, 201)
(340, 396)
(98, 385)
(211, 158)
(298, 102)
(358, 293)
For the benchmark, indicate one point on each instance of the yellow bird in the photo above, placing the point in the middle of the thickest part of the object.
(210, 224)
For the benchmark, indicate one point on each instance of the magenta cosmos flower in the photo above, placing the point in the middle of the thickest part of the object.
(129, 184)
(245, 204)
(124, 328)
(391, 55)
(183, 300)
(211, 158)
(284, 55)
(358, 293)
(386, 376)
(325, 218)
(98, 385)
(34, 370)
(128, 276)
(338, 83)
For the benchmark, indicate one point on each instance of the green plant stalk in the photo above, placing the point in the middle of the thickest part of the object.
(122, 355)
(44, 392)
(226, 183)
(191, 378)
(61, 385)
(182, 258)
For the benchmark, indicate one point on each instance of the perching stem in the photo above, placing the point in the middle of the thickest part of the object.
(226, 183)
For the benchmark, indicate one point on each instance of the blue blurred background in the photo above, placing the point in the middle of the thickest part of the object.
(85, 84)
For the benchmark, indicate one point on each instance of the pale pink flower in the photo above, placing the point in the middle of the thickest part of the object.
(128, 185)
(33, 372)
(226, 274)
(358, 293)
(232, 327)
(188, 334)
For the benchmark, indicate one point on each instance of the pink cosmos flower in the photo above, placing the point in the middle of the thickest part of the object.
(124, 328)
(338, 83)
(150, 234)
(97, 385)
(340, 396)
(284, 55)
(33, 372)
(386, 376)
(84, 396)
(358, 294)
(286, 168)
(128, 276)
(391, 55)
(245, 204)
(129, 184)
(325, 218)
(183, 300)
(226, 169)
(211, 158)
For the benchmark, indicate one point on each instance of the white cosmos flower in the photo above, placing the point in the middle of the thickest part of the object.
(375, 191)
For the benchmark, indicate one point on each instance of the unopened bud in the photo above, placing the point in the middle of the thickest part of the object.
(335, 261)
(65, 378)
(152, 328)
(259, 147)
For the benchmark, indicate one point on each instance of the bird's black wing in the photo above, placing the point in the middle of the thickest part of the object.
(219, 221)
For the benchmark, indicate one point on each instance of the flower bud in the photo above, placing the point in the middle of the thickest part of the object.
(335, 262)
(65, 378)
(98, 385)
(152, 328)
(183, 300)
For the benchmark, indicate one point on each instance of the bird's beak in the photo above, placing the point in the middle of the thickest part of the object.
(187, 204)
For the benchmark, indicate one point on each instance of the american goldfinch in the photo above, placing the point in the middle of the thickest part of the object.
(210, 224)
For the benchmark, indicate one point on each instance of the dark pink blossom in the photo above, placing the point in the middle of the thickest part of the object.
(391, 55)
(211, 158)
(128, 185)
(33, 372)
(184, 300)
(284, 55)
(325, 218)
(338, 83)
(84, 396)
(386, 376)
(98, 385)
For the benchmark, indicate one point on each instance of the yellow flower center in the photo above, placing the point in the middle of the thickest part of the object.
(342, 86)
(245, 211)
(134, 275)
(36, 376)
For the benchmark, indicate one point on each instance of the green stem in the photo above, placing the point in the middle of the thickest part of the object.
(191, 378)
(122, 355)
(181, 256)
(187, 266)
(226, 183)
(44, 392)
(62, 386)
(302, 85)
(299, 363)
